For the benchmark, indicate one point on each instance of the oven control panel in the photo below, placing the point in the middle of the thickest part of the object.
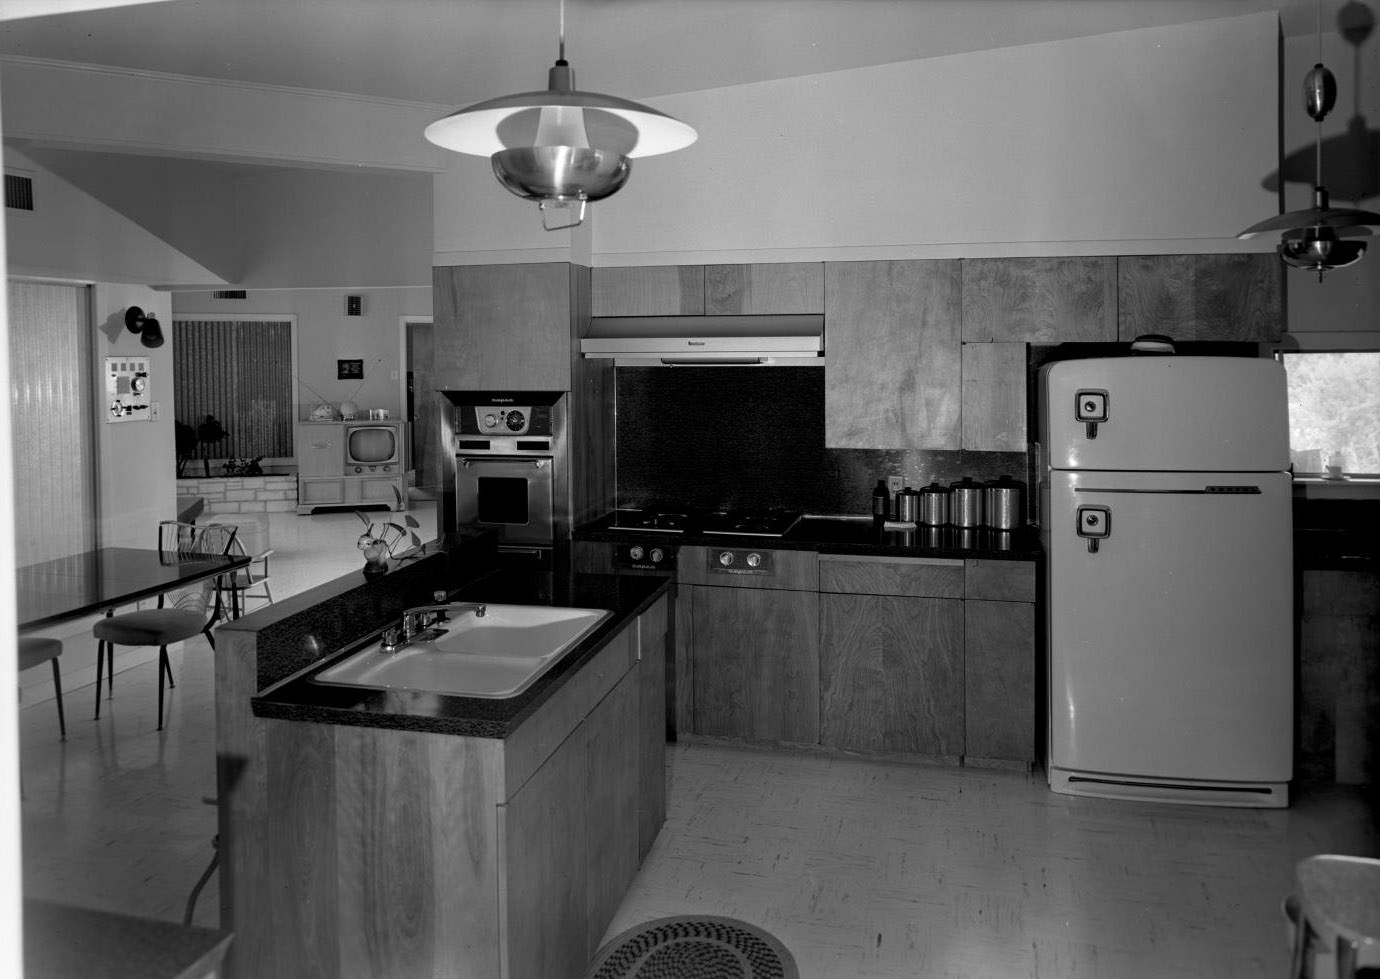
(645, 557)
(505, 420)
(739, 561)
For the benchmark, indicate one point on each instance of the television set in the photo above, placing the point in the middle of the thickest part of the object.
(373, 447)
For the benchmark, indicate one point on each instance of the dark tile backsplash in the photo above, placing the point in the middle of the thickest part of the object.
(707, 437)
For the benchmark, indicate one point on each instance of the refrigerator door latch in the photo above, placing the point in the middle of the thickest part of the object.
(1090, 407)
(1094, 525)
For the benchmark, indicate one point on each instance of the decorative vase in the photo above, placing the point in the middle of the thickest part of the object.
(375, 559)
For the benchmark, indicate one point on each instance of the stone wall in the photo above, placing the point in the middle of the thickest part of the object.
(242, 494)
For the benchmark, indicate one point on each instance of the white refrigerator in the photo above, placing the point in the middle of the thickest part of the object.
(1165, 507)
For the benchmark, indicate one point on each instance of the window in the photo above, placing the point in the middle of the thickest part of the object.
(1334, 410)
(239, 371)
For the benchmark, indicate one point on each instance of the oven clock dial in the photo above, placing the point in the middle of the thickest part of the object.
(515, 421)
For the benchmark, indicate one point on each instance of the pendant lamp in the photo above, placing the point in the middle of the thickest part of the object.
(560, 147)
(1318, 238)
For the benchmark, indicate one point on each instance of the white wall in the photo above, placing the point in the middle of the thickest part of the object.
(71, 234)
(325, 334)
(1151, 140)
(136, 461)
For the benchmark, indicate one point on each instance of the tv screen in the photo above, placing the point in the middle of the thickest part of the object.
(370, 445)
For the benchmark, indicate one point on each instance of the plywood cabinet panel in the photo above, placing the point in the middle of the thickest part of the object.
(1039, 300)
(994, 397)
(653, 634)
(756, 663)
(868, 575)
(792, 570)
(1201, 297)
(891, 674)
(611, 797)
(892, 372)
(1002, 581)
(999, 680)
(503, 326)
(648, 290)
(782, 288)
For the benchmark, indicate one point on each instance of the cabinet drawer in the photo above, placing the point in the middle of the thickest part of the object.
(1001, 581)
(912, 577)
(789, 570)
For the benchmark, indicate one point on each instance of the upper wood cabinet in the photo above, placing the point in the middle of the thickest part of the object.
(892, 371)
(1039, 300)
(504, 326)
(1201, 297)
(648, 290)
(994, 397)
(788, 287)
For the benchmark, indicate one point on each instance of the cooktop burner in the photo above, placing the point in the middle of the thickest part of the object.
(743, 522)
(751, 523)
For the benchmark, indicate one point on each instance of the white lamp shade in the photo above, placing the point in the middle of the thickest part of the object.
(532, 118)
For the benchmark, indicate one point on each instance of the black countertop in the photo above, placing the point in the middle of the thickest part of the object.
(846, 535)
(298, 698)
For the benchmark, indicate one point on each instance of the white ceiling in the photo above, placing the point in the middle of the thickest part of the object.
(453, 52)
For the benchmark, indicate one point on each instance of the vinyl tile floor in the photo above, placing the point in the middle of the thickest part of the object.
(862, 869)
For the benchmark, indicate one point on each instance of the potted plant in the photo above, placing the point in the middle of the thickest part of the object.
(385, 539)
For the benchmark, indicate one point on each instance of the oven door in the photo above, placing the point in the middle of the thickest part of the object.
(510, 493)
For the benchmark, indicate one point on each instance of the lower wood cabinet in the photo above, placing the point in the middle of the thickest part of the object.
(999, 681)
(755, 655)
(891, 674)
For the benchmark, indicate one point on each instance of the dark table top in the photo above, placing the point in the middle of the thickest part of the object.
(62, 941)
(106, 577)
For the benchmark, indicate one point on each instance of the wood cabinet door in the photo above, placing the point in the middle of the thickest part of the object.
(781, 288)
(891, 674)
(892, 374)
(653, 634)
(994, 397)
(1039, 300)
(755, 663)
(320, 449)
(647, 290)
(503, 326)
(1201, 297)
(544, 860)
(999, 675)
(610, 798)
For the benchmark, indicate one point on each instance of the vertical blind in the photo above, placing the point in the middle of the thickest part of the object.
(240, 372)
(52, 420)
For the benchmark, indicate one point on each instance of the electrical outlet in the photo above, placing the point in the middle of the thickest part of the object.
(153, 412)
(895, 483)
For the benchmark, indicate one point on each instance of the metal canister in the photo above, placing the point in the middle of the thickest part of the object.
(967, 505)
(908, 505)
(1005, 504)
(934, 505)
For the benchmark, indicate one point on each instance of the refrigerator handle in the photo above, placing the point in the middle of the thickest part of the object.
(1094, 525)
(1090, 407)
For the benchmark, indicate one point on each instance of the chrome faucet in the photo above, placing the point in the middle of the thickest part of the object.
(416, 620)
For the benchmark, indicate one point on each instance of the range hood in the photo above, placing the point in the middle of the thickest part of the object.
(691, 341)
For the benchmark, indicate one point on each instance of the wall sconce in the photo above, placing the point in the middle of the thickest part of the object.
(146, 325)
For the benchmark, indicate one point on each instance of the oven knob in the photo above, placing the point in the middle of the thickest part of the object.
(490, 421)
(657, 555)
(635, 552)
(726, 558)
(754, 559)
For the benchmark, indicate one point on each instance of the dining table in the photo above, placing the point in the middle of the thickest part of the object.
(106, 578)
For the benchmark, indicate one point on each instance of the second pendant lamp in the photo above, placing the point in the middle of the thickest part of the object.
(560, 147)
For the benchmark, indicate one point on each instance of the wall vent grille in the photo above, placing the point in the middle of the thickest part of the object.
(354, 305)
(230, 294)
(19, 192)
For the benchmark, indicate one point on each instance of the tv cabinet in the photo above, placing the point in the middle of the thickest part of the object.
(324, 479)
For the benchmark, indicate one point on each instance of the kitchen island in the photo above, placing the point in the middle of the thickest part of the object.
(405, 833)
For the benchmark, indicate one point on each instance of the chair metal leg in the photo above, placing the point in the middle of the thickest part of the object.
(1298, 962)
(166, 666)
(57, 692)
(100, 668)
(162, 662)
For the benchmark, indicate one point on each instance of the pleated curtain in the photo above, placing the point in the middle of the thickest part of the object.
(240, 372)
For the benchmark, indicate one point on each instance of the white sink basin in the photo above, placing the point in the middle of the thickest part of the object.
(496, 655)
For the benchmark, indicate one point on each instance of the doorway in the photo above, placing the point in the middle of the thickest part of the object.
(422, 405)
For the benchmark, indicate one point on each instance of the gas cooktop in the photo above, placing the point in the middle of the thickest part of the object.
(743, 522)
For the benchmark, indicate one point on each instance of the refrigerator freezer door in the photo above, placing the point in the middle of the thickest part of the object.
(1171, 625)
(1180, 414)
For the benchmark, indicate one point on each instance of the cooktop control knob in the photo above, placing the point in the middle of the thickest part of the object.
(754, 559)
(726, 558)
(635, 552)
(657, 554)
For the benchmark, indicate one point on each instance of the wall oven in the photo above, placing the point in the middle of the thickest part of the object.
(506, 473)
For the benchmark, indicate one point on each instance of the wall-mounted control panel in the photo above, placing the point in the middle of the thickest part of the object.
(127, 389)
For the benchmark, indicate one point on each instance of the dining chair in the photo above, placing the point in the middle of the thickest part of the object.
(252, 541)
(1337, 904)
(179, 615)
(37, 650)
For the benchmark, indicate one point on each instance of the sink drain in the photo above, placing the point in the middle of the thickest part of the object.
(693, 947)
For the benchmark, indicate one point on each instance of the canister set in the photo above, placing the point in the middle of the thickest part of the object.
(965, 504)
